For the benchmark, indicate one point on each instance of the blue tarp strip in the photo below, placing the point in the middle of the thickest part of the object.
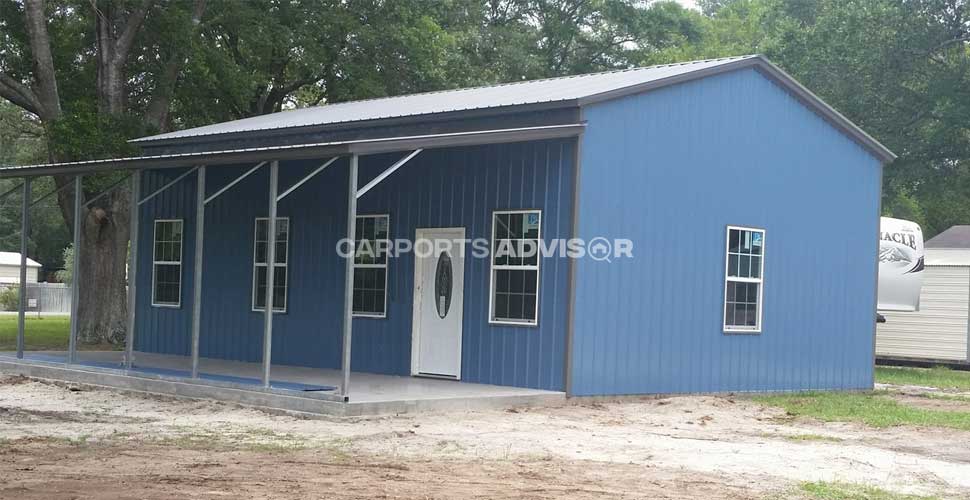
(169, 372)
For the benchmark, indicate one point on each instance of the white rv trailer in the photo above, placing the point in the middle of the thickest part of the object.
(901, 264)
(937, 330)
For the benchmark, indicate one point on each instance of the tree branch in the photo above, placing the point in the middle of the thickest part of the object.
(19, 94)
(40, 48)
(127, 39)
(161, 100)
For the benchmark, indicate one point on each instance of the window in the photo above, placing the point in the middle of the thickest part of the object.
(370, 266)
(744, 279)
(279, 267)
(515, 267)
(167, 264)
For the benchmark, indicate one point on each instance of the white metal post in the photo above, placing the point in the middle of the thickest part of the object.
(197, 270)
(349, 277)
(270, 271)
(134, 218)
(24, 233)
(75, 269)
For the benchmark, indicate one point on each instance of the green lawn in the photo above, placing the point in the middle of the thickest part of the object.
(874, 409)
(846, 491)
(939, 377)
(46, 333)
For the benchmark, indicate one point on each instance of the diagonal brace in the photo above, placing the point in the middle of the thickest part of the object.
(307, 178)
(385, 174)
(166, 186)
(235, 181)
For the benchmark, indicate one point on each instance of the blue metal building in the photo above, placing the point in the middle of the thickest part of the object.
(739, 215)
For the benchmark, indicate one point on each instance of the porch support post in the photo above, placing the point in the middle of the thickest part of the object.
(349, 276)
(274, 168)
(76, 269)
(24, 233)
(133, 225)
(197, 269)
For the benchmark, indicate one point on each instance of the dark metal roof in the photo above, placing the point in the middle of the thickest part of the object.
(955, 237)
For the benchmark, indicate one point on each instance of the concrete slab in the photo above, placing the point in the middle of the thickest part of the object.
(370, 394)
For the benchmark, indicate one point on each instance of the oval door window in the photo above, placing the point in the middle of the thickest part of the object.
(442, 284)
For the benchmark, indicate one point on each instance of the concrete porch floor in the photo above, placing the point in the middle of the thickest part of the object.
(370, 394)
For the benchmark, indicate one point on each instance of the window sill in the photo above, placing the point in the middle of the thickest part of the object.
(167, 306)
(263, 311)
(498, 322)
(368, 316)
(742, 332)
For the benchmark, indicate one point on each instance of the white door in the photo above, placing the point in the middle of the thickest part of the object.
(439, 277)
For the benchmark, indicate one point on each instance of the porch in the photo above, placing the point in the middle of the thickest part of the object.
(292, 388)
(205, 326)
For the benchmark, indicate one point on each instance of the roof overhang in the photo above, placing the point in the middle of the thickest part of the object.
(301, 151)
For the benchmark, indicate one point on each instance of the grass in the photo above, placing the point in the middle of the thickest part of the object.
(44, 333)
(846, 491)
(801, 438)
(939, 377)
(872, 408)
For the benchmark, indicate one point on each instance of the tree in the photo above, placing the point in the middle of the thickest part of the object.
(22, 143)
(71, 66)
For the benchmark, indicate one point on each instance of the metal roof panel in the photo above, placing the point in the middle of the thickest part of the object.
(496, 96)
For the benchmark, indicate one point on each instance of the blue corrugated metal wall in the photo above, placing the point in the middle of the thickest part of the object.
(438, 188)
(670, 169)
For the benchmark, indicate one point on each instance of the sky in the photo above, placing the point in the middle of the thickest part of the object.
(690, 4)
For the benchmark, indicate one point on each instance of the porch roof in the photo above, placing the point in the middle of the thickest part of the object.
(300, 151)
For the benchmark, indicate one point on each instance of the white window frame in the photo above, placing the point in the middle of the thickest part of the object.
(737, 279)
(156, 262)
(286, 265)
(493, 268)
(383, 266)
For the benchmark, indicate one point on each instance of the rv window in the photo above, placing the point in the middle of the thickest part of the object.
(167, 264)
(515, 267)
(280, 269)
(743, 282)
(370, 266)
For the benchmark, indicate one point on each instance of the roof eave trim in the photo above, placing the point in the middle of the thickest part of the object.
(303, 151)
(776, 74)
(151, 141)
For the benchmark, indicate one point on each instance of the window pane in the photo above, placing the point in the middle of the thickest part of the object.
(261, 252)
(280, 257)
(755, 267)
(752, 296)
(501, 306)
(751, 315)
(757, 242)
(732, 265)
(734, 241)
(744, 266)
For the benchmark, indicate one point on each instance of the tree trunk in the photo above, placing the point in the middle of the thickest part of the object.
(102, 278)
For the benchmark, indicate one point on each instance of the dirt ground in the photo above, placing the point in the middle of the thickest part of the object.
(59, 442)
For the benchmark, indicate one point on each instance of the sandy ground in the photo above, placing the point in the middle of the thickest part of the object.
(61, 443)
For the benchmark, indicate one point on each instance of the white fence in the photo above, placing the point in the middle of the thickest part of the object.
(50, 298)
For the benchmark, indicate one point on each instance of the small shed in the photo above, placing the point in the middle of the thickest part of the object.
(939, 330)
(10, 268)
